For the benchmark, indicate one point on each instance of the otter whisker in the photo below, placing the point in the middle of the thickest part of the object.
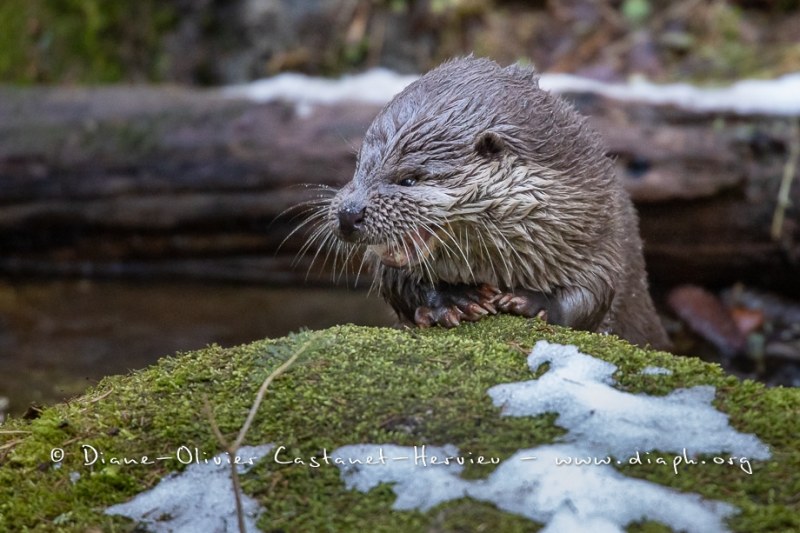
(347, 261)
(318, 203)
(324, 243)
(319, 235)
(314, 186)
(318, 229)
(511, 247)
(360, 268)
(344, 261)
(435, 229)
(340, 250)
(487, 258)
(465, 240)
(377, 282)
(399, 242)
(503, 258)
(426, 257)
(461, 251)
(315, 222)
(331, 245)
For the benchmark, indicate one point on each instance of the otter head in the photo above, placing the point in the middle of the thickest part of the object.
(452, 167)
(402, 201)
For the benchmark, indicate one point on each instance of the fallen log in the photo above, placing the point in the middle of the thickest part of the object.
(174, 182)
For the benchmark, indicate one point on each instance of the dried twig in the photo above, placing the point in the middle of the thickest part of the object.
(789, 172)
(233, 448)
(6, 448)
(104, 395)
(11, 444)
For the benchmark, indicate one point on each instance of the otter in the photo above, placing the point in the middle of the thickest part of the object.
(477, 192)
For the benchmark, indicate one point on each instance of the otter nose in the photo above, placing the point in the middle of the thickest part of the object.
(351, 220)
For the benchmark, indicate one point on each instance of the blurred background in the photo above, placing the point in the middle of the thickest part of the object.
(139, 202)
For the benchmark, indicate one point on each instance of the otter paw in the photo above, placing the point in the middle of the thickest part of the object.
(527, 303)
(452, 304)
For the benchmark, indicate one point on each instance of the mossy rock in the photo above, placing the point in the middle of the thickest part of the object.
(365, 385)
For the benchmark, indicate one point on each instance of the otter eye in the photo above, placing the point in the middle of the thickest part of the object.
(407, 182)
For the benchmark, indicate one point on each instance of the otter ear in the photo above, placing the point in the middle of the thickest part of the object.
(489, 144)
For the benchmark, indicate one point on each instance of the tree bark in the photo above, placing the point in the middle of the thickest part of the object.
(138, 182)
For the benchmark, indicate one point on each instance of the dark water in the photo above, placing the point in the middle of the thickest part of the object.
(57, 338)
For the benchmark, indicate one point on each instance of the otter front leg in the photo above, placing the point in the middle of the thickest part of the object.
(576, 307)
(448, 305)
(420, 303)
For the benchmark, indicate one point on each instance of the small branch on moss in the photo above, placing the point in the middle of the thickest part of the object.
(233, 448)
(789, 172)
(209, 412)
(263, 390)
(237, 486)
(5, 448)
(104, 395)
(10, 444)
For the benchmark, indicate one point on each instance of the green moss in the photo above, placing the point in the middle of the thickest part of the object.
(13, 55)
(356, 385)
(81, 41)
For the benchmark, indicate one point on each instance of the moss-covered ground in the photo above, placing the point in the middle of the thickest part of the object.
(356, 385)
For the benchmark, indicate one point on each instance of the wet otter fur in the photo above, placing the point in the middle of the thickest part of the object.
(476, 191)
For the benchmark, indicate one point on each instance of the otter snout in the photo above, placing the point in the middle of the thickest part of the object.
(351, 221)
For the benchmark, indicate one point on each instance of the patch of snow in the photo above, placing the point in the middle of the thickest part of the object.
(656, 371)
(571, 498)
(198, 499)
(609, 421)
(417, 487)
(780, 96)
(376, 86)
(572, 485)
(592, 498)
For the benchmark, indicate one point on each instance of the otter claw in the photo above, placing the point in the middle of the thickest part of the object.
(449, 305)
(448, 317)
(502, 300)
(474, 312)
(488, 292)
(423, 317)
(451, 318)
(529, 304)
(512, 304)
